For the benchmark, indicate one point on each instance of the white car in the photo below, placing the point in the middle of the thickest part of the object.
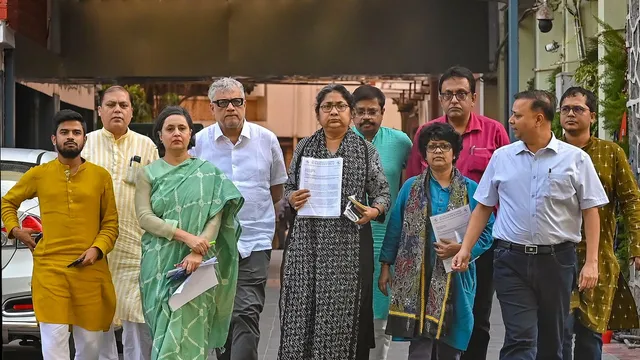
(18, 318)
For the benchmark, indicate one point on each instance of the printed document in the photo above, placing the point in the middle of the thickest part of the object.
(201, 280)
(451, 225)
(323, 179)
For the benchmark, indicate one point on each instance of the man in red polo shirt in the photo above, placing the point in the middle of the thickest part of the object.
(481, 136)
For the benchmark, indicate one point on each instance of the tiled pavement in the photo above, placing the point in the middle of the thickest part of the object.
(270, 331)
(270, 327)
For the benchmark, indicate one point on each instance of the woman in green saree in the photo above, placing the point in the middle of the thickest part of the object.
(187, 208)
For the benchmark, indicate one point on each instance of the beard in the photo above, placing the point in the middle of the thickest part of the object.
(68, 153)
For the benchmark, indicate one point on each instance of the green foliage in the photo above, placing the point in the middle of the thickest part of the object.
(587, 72)
(551, 79)
(614, 80)
(142, 111)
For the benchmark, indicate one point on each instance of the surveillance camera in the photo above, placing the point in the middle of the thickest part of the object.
(545, 25)
(544, 15)
(552, 47)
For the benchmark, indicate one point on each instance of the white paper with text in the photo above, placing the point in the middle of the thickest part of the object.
(451, 225)
(323, 179)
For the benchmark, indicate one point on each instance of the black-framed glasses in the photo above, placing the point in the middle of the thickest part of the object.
(460, 95)
(444, 147)
(369, 111)
(223, 103)
(577, 109)
(341, 107)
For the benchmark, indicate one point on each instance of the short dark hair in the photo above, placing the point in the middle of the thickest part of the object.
(590, 97)
(67, 115)
(368, 92)
(440, 131)
(543, 101)
(458, 72)
(114, 88)
(159, 123)
(346, 95)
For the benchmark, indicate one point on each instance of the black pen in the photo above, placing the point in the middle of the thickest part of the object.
(136, 159)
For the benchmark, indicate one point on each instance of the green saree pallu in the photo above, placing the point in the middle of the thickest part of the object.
(188, 196)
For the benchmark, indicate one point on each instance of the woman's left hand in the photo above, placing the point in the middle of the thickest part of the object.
(447, 248)
(369, 214)
(191, 262)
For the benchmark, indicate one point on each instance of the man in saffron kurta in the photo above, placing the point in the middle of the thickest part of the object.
(393, 147)
(123, 152)
(80, 221)
(610, 304)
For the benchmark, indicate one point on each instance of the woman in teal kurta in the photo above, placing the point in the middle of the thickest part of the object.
(183, 204)
(443, 318)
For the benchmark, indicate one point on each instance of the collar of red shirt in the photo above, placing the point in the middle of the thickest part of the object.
(474, 123)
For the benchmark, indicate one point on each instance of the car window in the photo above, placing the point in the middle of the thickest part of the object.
(12, 170)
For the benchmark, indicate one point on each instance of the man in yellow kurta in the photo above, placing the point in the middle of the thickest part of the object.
(80, 222)
(123, 152)
(610, 304)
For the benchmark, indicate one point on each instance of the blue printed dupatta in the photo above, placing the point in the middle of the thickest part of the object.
(422, 293)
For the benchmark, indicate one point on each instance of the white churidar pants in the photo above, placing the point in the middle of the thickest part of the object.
(383, 341)
(55, 342)
(136, 342)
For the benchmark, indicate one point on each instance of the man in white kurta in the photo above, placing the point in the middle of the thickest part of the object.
(123, 153)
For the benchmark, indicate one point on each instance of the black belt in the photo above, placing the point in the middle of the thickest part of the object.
(534, 249)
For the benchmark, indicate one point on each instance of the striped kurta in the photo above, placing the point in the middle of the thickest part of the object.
(124, 261)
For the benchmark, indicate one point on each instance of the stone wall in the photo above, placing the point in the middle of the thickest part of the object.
(633, 45)
(633, 119)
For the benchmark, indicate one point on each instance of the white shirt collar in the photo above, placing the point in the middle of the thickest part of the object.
(246, 130)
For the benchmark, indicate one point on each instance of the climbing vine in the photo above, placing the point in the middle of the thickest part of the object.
(551, 81)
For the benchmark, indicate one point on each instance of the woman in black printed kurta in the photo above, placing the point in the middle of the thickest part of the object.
(326, 298)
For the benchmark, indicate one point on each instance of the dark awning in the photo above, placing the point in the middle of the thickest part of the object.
(196, 39)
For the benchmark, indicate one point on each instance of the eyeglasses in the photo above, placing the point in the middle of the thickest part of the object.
(460, 95)
(341, 107)
(444, 147)
(370, 112)
(223, 103)
(578, 110)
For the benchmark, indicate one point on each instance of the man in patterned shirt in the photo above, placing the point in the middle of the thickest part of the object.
(123, 152)
(610, 304)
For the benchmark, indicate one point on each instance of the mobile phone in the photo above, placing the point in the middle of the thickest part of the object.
(172, 272)
(37, 237)
(76, 263)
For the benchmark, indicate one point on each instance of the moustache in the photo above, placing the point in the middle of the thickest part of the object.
(70, 142)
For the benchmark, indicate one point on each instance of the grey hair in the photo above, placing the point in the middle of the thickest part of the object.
(224, 84)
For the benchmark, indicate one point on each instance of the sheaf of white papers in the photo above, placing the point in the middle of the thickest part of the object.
(323, 179)
(201, 280)
(451, 225)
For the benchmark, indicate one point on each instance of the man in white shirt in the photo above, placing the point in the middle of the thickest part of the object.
(251, 157)
(545, 188)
